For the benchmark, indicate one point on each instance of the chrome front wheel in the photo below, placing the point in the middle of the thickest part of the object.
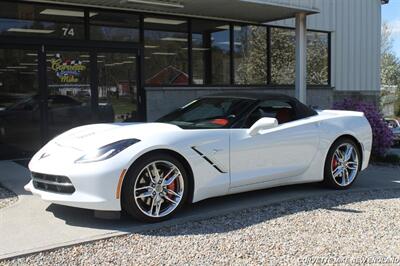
(159, 188)
(155, 188)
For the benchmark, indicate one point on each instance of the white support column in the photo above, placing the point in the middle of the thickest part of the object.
(301, 57)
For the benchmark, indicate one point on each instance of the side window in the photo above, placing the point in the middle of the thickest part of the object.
(280, 110)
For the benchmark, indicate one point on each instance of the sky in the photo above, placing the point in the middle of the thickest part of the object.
(391, 15)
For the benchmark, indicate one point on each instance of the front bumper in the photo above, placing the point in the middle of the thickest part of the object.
(95, 185)
(77, 199)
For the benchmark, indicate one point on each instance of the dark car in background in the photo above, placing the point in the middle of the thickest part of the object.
(20, 122)
(394, 126)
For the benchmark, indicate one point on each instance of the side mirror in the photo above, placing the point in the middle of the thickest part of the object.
(262, 124)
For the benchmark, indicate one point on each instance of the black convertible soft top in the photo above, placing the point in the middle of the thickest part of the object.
(301, 110)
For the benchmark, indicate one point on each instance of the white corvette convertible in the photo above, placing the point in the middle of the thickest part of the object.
(216, 145)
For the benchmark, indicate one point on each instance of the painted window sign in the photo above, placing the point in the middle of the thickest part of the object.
(67, 70)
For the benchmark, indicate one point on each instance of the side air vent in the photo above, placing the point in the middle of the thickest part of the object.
(208, 160)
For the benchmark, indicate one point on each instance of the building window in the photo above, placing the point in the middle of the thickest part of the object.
(220, 53)
(317, 58)
(118, 84)
(41, 21)
(283, 57)
(210, 52)
(166, 51)
(250, 55)
(19, 103)
(200, 54)
(110, 26)
(68, 84)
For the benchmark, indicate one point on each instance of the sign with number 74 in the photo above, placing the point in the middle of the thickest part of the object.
(68, 31)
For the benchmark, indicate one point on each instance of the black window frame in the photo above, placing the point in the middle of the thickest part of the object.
(232, 83)
(269, 56)
(41, 41)
(140, 44)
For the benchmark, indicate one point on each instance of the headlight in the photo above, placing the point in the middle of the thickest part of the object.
(106, 151)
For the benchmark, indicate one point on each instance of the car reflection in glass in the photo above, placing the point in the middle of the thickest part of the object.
(20, 121)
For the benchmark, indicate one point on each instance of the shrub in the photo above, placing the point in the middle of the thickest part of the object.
(381, 134)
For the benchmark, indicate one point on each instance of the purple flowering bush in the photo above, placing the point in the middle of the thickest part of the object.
(382, 135)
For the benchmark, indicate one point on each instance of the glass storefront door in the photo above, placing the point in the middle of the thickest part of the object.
(118, 86)
(69, 91)
(20, 106)
(75, 91)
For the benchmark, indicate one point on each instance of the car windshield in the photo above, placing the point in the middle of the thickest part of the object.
(208, 113)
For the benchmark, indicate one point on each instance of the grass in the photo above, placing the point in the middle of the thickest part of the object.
(123, 105)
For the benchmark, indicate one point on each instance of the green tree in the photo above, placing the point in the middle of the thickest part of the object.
(250, 56)
(251, 63)
(390, 69)
(283, 56)
(390, 63)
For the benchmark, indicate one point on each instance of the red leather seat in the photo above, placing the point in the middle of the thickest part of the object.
(284, 115)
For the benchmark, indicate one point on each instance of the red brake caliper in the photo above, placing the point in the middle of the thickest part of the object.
(172, 187)
(334, 163)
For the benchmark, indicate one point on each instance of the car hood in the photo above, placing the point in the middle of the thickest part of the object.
(94, 136)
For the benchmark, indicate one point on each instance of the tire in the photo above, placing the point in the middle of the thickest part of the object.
(149, 197)
(340, 170)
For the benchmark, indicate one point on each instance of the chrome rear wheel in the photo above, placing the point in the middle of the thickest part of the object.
(342, 164)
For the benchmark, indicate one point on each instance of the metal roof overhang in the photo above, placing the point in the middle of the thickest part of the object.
(248, 11)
